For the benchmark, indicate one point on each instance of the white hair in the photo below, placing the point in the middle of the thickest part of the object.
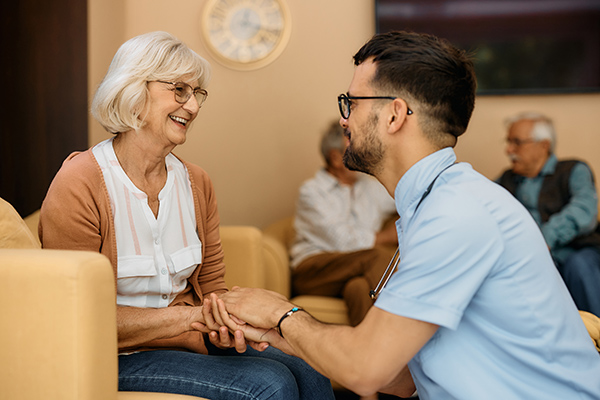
(543, 128)
(122, 94)
(332, 139)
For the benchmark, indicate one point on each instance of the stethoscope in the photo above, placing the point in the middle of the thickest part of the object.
(389, 271)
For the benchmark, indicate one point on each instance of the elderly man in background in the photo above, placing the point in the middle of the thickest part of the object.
(340, 244)
(561, 197)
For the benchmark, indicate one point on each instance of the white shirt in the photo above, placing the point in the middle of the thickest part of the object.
(331, 217)
(156, 255)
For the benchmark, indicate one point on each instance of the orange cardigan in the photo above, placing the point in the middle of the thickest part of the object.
(76, 215)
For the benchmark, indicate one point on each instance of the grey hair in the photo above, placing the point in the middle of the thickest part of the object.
(122, 94)
(332, 139)
(543, 128)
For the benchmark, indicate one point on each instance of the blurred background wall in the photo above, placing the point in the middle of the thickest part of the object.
(258, 133)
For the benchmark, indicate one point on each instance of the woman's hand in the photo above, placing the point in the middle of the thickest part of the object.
(224, 339)
(137, 326)
(218, 334)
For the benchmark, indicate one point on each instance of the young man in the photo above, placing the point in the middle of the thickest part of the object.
(476, 308)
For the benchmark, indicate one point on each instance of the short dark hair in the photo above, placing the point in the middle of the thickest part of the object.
(429, 70)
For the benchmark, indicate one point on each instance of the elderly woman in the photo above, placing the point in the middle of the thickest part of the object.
(155, 217)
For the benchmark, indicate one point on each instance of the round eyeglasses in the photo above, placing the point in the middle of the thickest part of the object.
(345, 103)
(518, 142)
(183, 92)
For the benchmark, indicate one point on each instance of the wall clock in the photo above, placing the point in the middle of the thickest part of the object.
(246, 34)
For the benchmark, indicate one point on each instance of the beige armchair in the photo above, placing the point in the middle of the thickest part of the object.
(59, 317)
(30, 355)
(59, 336)
(277, 239)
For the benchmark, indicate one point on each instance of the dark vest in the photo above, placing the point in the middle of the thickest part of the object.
(554, 195)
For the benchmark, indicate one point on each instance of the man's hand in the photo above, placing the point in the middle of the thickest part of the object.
(259, 338)
(258, 307)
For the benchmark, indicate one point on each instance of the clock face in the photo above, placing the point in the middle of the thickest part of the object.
(246, 34)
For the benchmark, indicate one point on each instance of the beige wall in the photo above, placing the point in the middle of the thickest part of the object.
(576, 118)
(257, 135)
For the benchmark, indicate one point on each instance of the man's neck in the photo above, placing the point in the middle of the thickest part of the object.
(399, 162)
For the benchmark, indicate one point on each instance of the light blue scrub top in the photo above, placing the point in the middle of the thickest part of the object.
(474, 262)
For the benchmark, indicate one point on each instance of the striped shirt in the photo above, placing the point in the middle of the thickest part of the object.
(156, 255)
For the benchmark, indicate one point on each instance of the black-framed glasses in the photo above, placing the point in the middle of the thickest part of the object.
(183, 92)
(389, 271)
(345, 103)
(518, 142)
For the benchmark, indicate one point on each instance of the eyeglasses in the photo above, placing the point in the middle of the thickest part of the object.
(518, 142)
(183, 92)
(345, 103)
(389, 271)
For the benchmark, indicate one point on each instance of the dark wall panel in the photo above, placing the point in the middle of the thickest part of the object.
(43, 106)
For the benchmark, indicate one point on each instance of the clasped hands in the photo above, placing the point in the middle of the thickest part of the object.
(244, 316)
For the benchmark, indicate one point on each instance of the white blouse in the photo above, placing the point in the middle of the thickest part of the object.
(156, 255)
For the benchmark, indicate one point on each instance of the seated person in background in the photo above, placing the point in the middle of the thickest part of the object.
(155, 217)
(338, 222)
(561, 197)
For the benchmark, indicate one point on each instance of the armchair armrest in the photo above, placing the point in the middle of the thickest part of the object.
(242, 246)
(277, 265)
(59, 338)
(254, 260)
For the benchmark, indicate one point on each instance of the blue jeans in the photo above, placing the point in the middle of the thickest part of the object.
(581, 273)
(223, 374)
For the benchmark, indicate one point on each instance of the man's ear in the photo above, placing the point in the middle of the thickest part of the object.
(398, 115)
(546, 144)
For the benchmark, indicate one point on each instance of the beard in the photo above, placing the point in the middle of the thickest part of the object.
(367, 158)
